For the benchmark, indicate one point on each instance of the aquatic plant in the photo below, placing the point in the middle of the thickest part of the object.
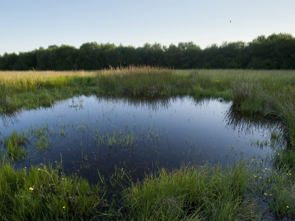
(15, 145)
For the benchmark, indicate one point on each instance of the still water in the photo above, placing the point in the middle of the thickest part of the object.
(90, 134)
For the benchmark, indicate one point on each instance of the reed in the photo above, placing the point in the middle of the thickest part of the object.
(141, 81)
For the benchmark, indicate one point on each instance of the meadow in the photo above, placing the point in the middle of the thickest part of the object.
(206, 192)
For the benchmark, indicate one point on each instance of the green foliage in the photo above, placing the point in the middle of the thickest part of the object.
(15, 146)
(44, 193)
(285, 159)
(206, 192)
(273, 52)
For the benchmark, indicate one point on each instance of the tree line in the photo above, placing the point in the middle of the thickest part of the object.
(276, 51)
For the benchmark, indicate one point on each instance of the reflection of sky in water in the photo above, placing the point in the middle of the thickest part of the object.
(167, 132)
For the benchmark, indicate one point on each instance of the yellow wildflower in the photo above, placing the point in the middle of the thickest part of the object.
(31, 188)
(265, 194)
(287, 207)
(63, 207)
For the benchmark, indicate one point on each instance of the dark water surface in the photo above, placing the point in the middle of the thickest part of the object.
(91, 134)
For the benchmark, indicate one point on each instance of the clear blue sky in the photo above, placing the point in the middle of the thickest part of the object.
(26, 25)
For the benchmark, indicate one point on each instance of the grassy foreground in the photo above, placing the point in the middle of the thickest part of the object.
(44, 192)
(190, 193)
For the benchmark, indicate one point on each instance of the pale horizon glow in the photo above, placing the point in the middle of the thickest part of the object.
(28, 25)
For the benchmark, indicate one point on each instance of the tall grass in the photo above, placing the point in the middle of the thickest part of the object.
(142, 81)
(34, 89)
(190, 193)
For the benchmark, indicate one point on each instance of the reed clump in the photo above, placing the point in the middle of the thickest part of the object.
(192, 193)
(141, 81)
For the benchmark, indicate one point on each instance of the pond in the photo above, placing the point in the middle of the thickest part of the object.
(90, 134)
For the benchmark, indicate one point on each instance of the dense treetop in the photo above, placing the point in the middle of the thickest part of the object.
(276, 51)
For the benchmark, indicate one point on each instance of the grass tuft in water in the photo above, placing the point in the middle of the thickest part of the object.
(15, 146)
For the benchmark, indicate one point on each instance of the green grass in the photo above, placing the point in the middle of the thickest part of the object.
(145, 81)
(44, 193)
(284, 158)
(190, 193)
(266, 92)
(15, 146)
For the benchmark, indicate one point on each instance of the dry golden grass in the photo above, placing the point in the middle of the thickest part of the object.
(23, 75)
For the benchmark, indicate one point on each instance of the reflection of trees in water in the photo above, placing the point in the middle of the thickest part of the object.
(155, 103)
(247, 122)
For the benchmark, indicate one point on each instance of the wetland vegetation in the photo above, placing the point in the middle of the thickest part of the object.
(247, 188)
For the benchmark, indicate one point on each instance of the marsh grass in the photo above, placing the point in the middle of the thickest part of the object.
(32, 89)
(44, 193)
(141, 81)
(41, 137)
(205, 193)
(278, 190)
(212, 193)
(284, 158)
(15, 146)
(190, 193)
